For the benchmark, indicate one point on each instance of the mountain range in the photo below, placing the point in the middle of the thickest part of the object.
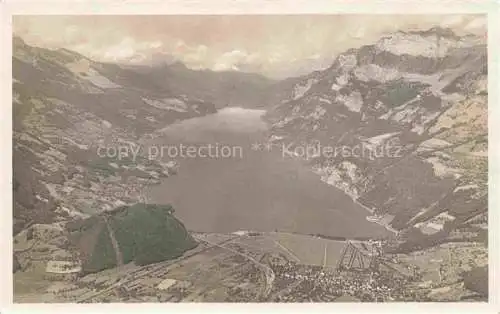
(65, 106)
(422, 93)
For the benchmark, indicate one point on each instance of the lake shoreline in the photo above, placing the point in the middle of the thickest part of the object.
(261, 191)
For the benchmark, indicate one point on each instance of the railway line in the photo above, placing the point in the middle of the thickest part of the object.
(133, 276)
(268, 272)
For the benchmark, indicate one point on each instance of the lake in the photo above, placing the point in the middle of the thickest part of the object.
(250, 189)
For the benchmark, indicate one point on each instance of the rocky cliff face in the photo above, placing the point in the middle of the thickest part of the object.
(66, 110)
(400, 126)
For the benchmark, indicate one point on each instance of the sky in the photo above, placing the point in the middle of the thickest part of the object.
(275, 46)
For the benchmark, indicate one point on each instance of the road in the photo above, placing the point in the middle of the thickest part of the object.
(288, 251)
(269, 273)
(325, 256)
(137, 274)
(114, 242)
(133, 275)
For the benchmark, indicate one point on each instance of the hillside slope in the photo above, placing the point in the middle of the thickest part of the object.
(65, 108)
(406, 121)
(144, 234)
(223, 88)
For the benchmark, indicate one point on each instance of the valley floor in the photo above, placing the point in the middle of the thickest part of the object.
(256, 267)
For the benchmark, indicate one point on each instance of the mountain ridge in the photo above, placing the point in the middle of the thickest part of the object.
(367, 91)
(377, 89)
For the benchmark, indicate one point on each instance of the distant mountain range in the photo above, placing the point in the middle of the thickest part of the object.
(223, 88)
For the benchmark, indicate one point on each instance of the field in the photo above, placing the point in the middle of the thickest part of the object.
(452, 259)
(223, 267)
(302, 249)
(242, 267)
(310, 250)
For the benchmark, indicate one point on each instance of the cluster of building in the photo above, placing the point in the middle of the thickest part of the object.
(316, 284)
(109, 183)
(63, 270)
(86, 189)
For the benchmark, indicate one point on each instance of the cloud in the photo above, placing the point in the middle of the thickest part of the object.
(194, 56)
(124, 50)
(272, 45)
(156, 44)
(233, 60)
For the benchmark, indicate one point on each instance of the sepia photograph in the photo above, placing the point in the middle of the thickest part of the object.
(249, 158)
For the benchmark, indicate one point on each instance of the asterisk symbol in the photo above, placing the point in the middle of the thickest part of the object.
(256, 146)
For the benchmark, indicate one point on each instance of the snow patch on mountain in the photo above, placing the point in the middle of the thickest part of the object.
(100, 81)
(465, 187)
(373, 72)
(433, 143)
(167, 104)
(379, 139)
(353, 102)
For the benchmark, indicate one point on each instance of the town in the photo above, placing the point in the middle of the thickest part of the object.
(254, 267)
